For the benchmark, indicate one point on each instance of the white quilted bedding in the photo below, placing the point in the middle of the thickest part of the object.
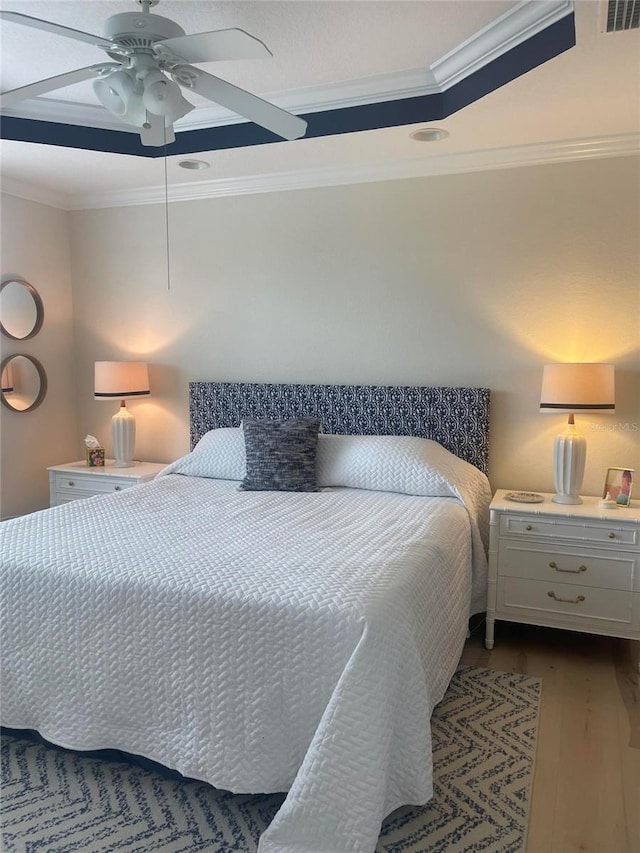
(260, 641)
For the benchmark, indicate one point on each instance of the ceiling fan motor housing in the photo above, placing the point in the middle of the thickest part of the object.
(140, 31)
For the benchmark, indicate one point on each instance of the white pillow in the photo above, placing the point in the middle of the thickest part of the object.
(385, 463)
(219, 454)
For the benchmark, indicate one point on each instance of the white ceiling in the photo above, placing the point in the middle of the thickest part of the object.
(584, 102)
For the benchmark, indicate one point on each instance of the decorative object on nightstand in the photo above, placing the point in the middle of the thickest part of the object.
(571, 567)
(618, 484)
(525, 497)
(572, 388)
(94, 452)
(122, 380)
(75, 480)
(607, 502)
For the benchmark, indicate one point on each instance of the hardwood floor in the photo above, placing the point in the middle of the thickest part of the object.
(586, 791)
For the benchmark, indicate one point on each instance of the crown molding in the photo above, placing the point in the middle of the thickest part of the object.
(30, 192)
(428, 166)
(494, 159)
(394, 86)
(67, 112)
(516, 26)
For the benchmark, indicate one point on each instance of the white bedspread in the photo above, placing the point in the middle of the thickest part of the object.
(260, 641)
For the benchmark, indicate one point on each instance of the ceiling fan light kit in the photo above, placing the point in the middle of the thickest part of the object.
(114, 92)
(135, 87)
(161, 96)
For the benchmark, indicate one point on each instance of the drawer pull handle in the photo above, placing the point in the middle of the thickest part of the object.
(612, 536)
(71, 483)
(554, 565)
(528, 527)
(568, 600)
(117, 488)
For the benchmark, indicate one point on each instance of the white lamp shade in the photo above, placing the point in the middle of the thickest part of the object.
(578, 388)
(121, 380)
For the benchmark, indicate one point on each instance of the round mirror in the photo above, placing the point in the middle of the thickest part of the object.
(21, 310)
(24, 383)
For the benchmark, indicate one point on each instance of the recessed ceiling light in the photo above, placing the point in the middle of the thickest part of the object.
(193, 164)
(429, 134)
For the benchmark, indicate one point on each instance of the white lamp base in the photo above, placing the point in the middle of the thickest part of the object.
(569, 456)
(123, 437)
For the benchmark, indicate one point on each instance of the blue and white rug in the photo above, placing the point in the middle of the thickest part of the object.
(484, 733)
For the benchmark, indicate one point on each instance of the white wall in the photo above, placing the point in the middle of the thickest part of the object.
(475, 279)
(35, 247)
(472, 279)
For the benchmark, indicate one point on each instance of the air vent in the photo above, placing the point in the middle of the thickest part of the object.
(623, 15)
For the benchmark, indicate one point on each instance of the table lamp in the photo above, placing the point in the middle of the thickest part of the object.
(572, 388)
(122, 380)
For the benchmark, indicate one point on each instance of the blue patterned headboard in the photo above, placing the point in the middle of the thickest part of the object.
(457, 418)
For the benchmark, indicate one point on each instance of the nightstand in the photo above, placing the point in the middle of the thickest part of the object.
(76, 480)
(571, 567)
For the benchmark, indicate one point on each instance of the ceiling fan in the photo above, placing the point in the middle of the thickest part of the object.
(135, 87)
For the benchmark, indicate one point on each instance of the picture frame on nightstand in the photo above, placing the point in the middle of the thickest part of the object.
(618, 485)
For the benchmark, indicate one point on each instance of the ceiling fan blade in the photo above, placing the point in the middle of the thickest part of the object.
(213, 46)
(157, 134)
(14, 96)
(56, 29)
(249, 106)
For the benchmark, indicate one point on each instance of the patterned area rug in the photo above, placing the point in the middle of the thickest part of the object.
(484, 731)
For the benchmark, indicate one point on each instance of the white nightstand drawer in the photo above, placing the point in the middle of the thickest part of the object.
(78, 486)
(537, 527)
(567, 564)
(65, 497)
(527, 599)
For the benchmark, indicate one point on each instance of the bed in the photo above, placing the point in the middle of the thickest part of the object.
(265, 640)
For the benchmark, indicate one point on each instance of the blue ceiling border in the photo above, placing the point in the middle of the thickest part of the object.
(540, 48)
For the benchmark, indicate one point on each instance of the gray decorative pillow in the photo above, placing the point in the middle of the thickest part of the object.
(281, 455)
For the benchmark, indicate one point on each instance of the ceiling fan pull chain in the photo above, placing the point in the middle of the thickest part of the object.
(166, 214)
